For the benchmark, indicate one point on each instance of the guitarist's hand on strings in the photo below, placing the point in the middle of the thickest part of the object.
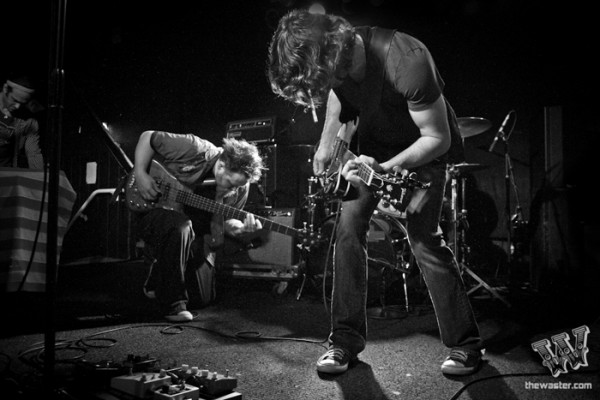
(236, 227)
(147, 186)
(251, 224)
(350, 170)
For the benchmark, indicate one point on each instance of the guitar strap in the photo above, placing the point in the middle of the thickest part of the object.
(377, 45)
(378, 41)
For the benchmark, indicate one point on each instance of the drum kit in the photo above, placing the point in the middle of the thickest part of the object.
(389, 254)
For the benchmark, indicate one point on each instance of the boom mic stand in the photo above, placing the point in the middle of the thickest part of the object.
(509, 180)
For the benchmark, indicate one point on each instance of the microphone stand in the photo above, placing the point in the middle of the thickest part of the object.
(55, 118)
(509, 179)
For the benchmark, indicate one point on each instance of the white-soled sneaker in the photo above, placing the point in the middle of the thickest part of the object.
(461, 362)
(334, 361)
(179, 313)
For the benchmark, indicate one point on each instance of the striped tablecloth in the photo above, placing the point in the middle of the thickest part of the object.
(21, 193)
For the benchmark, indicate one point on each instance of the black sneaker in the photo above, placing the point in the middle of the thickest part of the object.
(461, 362)
(334, 361)
(179, 313)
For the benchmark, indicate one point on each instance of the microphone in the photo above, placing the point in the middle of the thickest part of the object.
(500, 131)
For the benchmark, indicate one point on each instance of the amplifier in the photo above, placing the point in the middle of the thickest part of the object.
(256, 130)
(263, 254)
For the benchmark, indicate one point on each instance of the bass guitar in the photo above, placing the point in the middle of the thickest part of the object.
(174, 195)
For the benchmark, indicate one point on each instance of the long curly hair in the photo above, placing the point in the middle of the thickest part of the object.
(305, 52)
(241, 156)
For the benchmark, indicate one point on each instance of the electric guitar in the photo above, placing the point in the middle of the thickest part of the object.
(390, 188)
(174, 195)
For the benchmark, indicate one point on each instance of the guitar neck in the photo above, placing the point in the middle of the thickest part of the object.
(203, 203)
(365, 172)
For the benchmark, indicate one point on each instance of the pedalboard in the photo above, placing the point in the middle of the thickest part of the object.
(181, 383)
(99, 373)
(141, 385)
(211, 383)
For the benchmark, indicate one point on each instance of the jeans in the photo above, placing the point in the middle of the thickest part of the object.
(434, 258)
(170, 238)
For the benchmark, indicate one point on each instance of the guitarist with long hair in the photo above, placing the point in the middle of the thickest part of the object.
(180, 237)
(388, 80)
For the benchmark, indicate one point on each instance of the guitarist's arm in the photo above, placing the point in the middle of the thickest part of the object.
(433, 142)
(144, 153)
(331, 126)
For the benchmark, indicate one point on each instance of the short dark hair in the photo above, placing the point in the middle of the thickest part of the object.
(304, 53)
(241, 156)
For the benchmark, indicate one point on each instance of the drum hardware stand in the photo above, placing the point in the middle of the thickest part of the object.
(459, 226)
(389, 311)
(311, 207)
(393, 311)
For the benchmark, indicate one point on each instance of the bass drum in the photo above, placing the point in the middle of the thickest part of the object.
(388, 251)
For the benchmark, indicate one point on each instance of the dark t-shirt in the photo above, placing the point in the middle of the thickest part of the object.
(397, 80)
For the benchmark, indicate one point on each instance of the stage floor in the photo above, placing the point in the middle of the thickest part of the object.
(269, 340)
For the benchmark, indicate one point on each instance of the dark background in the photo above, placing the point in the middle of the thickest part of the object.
(194, 66)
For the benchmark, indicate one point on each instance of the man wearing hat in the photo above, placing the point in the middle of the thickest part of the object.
(19, 131)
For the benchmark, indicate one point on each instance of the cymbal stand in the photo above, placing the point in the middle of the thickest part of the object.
(459, 227)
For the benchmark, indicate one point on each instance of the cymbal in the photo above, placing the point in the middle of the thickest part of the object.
(468, 167)
(471, 126)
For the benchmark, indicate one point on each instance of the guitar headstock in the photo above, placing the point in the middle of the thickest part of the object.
(394, 187)
(405, 179)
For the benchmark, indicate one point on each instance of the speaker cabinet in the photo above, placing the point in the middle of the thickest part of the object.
(263, 254)
(255, 130)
